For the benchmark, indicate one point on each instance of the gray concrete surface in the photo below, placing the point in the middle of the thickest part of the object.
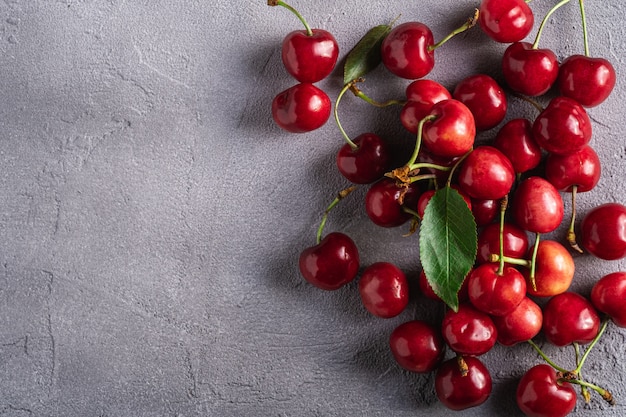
(151, 214)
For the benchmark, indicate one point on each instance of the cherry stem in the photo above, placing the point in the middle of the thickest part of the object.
(349, 141)
(417, 178)
(469, 23)
(571, 234)
(529, 100)
(533, 261)
(545, 20)
(584, 22)
(340, 196)
(418, 142)
(360, 94)
(503, 205)
(584, 391)
(580, 364)
(456, 165)
(546, 358)
(420, 165)
(606, 395)
(309, 32)
(494, 257)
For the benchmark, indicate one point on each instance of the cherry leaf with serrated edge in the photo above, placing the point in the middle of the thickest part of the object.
(365, 56)
(448, 244)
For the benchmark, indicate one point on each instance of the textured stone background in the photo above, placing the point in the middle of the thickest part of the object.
(151, 213)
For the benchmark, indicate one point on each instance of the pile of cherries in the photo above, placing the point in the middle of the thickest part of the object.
(513, 186)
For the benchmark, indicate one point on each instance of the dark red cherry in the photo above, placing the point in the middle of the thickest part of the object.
(485, 211)
(429, 293)
(406, 52)
(537, 206)
(427, 195)
(540, 393)
(608, 295)
(425, 156)
(368, 162)
(603, 231)
(384, 204)
(529, 71)
(421, 95)
(520, 325)
(587, 80)
(459, 389)
(485, 99)
(301, 108)
(505, 21)
(580, 169)
(569, 317)
(310, 59)
(515, 140)
(563, 127)
(468, 331)
(486, 174)
(496, 295)
(384, 289)
(330, 264)
(417, 346)
(515, 242)
(452, 131)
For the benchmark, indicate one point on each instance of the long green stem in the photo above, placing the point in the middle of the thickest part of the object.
(583, 389)
(545, 20)
(469, 23)
(584, 21)
(606, 395)
(533, 262)
(418, 142)
(591, 345)
(420, 165)
(309, 32)
(340, 196)
(336, 113)
(360, 94)
(546, 358)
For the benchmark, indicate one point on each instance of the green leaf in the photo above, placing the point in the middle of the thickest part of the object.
(448, 243)
(365, 56)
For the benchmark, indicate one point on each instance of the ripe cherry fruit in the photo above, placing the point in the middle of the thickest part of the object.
(537, 206)
(528, 70)
(406, 50)
(332, 263)
(587, 80)
(514, 239)
(417, 346)
(365, 163)
(608, 296)
(485, 99)
(540, 393)
(515, 140)
(451, 131)
(562, 127)
(521, 324)
(384, 289)
(493, 293)
(603, 231)
(569, 317)
(421, 95)
(506, 21)
(463, 383)
(385, 201)
(486, 174)
(554, 270)
(468, 331)
(301, 108)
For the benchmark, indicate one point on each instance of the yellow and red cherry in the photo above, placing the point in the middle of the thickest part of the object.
(407, 50)
(366, 161)
(541, 393)
(520, 325)
(330, 264)
(486, 174)
(385, 201)
(384, 289)
(603, 231)
(506, 21)
(301, 108)
(452, 130)
(608, 295)
(421, 95)
(587, 80)
(485, 99)
(562, 127)
(461, 387)
(493, 292)
(417, 346)
(529, 71)
(554, 270)
(537, 206)
(570, 318)
(515, 140)
(514, 239)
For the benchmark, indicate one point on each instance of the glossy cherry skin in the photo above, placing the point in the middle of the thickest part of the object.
(608, 295)
(417, 346)
(310, 59)
(569, 317)
(520, 325)
(587, 80)
(421, 95)
(554, 270)
(485, 211)
(405, 51)
(368, 162)
(496, 295)
(486, 174)
(537, 206)
(452, 132)
(382, 202)
(515, 140)
(459, 391)
(529, 71)
(429, 293)
(332, 263)
(515, 242)
(603, 231)
(301, 108)
(505, 21)
(540, 393)
(581, 169)
(562, 127)
(468, 331)
(485, 99)
(384, 289)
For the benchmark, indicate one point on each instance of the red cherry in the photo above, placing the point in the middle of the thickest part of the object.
(608, 295)
(495, 294)
(554, 270)
(485, 211)
(540, 393)
(537, 206)
(309, 59)
(429, 293)
(421, 95)
(520, 325)
(486, 174)
(417, 346)
(459, 390)
(515, 140)
(603, 231)
(569, 317)
(580, 169)
(514, 238)
(485, 99)
(332, 263)
(529, 71)
(468, 331)
(384, 289)
(452, 131)
(587, 80)
(382, 202)
(367, 163)
(301, 108)
(405, 51)
(563, 127)
(427, 195)
(506, 21)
